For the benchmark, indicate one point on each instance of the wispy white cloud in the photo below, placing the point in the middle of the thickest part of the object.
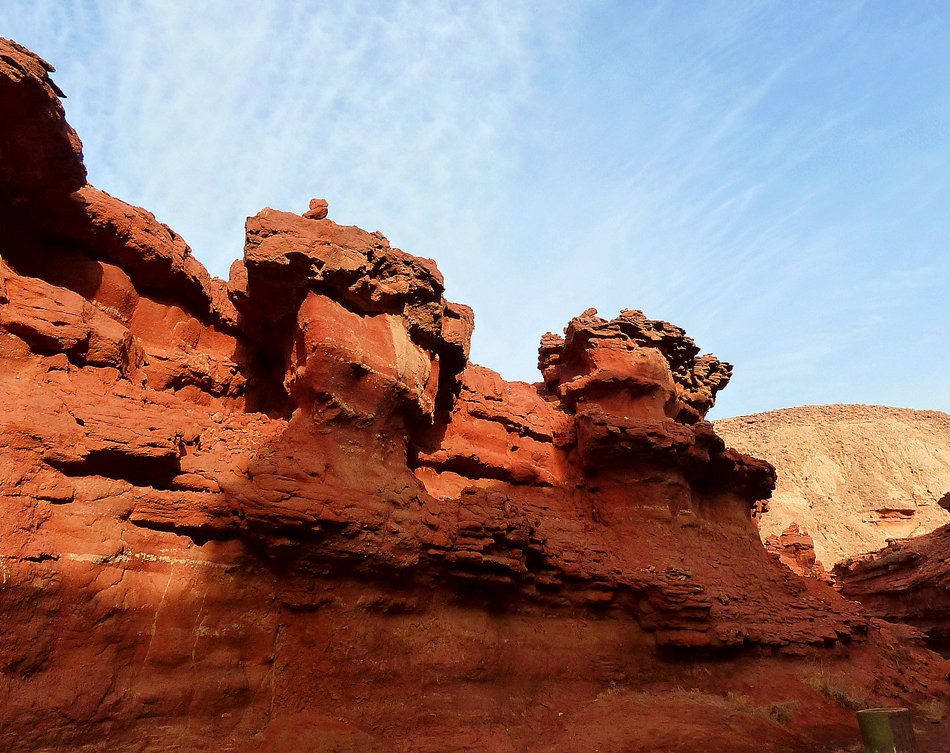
(204, 112)
(771, 176)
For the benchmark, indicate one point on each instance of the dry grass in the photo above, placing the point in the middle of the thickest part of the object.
(784, 711)
(837, 690)
(932, 711)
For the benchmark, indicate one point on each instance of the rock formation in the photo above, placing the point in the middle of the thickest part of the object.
(850, 476)
(907, 581)
(286, 513)
(795, 549)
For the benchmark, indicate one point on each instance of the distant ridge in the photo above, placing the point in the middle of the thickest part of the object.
(853, 476)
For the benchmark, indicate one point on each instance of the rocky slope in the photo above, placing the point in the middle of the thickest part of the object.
(851, 476)
(286, 513)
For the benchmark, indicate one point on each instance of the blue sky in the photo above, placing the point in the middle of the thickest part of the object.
(772, 176)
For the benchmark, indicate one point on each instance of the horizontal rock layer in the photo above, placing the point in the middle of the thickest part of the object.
(907, 581)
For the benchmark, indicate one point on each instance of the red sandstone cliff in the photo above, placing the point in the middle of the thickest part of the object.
(286, 513)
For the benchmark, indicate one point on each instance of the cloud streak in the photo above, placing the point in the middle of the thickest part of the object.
(770, 176)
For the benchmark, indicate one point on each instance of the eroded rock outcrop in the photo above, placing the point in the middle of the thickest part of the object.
(286, 513)
(907, 581)
(795, 548)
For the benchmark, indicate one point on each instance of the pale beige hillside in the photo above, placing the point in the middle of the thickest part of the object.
(852, 475)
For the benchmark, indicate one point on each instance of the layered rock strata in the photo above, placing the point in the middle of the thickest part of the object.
(286, 513)
(907, 581)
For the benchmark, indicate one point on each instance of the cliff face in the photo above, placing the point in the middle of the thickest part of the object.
(286, 513)
(851, 476)
(907, 581)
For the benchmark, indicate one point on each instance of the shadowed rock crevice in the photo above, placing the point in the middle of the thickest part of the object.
(908, 581)
(157, 471)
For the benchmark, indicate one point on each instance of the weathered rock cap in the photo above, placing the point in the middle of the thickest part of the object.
(632, 366)
(40, 154)
(318, 210)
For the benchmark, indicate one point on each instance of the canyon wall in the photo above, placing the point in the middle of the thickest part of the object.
(285, 512)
